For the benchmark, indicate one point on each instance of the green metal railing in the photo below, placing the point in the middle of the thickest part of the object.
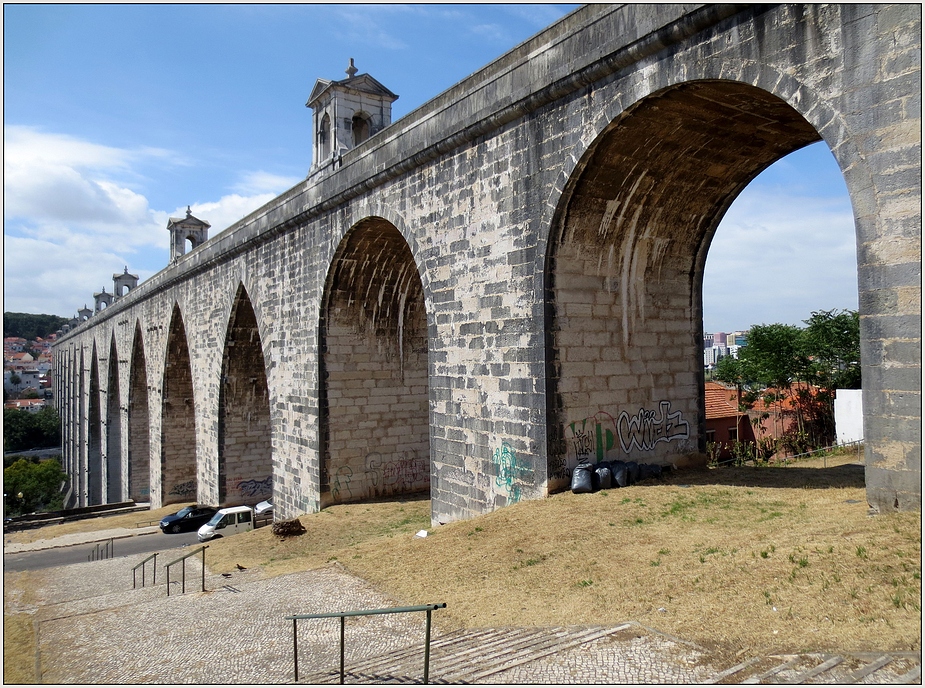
(183, 559)
(142, 566)
(370, 612)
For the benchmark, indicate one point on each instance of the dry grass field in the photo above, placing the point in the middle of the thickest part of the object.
(740, 560)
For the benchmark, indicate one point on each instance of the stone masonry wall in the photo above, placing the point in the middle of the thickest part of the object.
(558, 207)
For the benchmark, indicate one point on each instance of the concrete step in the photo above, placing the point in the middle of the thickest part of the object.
(813, 668)
(464, 657)
(478, 656)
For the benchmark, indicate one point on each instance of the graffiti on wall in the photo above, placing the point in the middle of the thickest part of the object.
(255, 488)
(506, 460)
(186, 489)
(648, 428)
(404, 474)
(593, 439)
(340, 484)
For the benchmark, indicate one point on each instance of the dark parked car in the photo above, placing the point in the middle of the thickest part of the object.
(188, 519)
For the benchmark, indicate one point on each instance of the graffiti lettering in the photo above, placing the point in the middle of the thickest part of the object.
(251, 488)
(506, 461)
(340, 486)
(184, 489)
(594, 435)
(595, 438)
(401, 475)
(646, 429)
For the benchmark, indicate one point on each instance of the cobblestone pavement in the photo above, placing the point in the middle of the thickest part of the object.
(93, 627)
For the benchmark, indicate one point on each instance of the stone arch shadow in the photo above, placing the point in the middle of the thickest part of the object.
(245, 456)
(624, 267)
(373, 369)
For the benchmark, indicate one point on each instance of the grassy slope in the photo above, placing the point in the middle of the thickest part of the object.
(766, 560)
(771, 560)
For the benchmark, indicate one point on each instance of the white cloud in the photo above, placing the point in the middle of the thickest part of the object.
(53, 182)
(227, 210)
(261, 182)
(776, 258)
(42, 276)
(72, 218)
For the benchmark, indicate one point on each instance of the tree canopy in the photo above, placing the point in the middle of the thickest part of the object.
(30, 326)
(39, 482)
(28, 430)
(808, 364)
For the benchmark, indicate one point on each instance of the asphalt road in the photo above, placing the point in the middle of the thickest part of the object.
(75, 554)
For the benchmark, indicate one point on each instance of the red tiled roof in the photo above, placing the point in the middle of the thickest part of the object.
(720, 401)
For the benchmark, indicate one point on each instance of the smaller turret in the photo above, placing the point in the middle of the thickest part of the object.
(183, 229)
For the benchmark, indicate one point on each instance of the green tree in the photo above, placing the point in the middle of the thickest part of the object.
(25, 429)
(833, 339)
(804, 364)
(39, 482)
(29, 326)
(774, 355)
(15, 379)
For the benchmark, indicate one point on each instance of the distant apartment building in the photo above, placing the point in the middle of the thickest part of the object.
(721, 344)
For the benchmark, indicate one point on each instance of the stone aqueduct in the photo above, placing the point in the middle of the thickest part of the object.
(508, 279)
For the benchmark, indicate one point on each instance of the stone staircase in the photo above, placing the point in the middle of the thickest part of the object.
(848, 668)
(595, 655)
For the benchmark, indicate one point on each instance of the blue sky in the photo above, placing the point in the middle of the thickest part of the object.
(119, 116)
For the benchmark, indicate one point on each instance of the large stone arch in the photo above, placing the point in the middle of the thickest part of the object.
(245, 451)
(95, 470)
(114, 482)
(373, 377)
(139, 423)
(178, 418)
(624, 269)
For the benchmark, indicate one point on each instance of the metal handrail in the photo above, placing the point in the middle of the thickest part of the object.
(142, 565)
(101, 552)
(183, 559)
(368, 612)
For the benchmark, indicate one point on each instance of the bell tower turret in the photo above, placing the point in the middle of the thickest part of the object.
(345, 113)
(183, 229)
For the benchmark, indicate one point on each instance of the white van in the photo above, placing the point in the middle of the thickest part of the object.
(228, 521)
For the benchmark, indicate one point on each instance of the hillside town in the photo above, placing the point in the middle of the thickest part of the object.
(27, 367)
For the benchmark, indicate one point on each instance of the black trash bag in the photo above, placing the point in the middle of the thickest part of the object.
(649, 470)
(618, 471)
(604, 476)
(632, 472)
(582, 480)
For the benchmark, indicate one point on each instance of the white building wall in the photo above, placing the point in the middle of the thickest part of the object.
(849, 416)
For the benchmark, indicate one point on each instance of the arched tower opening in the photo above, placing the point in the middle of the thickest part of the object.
(360, 127)
(139, 441)
(113, 429)
(178, 418)
(245, 451)
(625, 268)
(374, 368)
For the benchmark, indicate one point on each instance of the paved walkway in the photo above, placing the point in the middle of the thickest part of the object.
(94, 628)
(76, 539)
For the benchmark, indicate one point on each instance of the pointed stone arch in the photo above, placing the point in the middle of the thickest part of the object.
(374, 369)
(95, 474)
(625, 266)
(178, 418)
(245, 451)
(139, 423)
(114, 488)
